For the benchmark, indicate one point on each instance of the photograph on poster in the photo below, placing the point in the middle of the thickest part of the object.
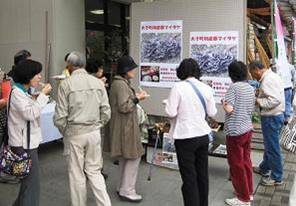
(161, 48)
(168, 145)
(160, 53)
(169, 158)
(150, 73)
(214, 59)
(169, 151)
(214, 51)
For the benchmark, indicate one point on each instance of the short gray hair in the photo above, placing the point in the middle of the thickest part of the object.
(76, 59)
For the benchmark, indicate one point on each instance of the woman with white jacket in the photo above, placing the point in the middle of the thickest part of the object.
(24, 115)
(190, 130)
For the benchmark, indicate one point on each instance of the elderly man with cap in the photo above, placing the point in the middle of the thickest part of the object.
(124, 128)
(82, 109)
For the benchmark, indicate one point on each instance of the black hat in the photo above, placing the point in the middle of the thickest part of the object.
(125, 64)
(21, 56)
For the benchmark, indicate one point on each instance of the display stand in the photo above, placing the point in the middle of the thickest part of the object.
(168, 159)
(217, 150)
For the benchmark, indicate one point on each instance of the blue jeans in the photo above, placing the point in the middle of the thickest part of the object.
(272, 158)
(288, 103)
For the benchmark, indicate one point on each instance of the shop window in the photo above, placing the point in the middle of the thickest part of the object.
(107, 28)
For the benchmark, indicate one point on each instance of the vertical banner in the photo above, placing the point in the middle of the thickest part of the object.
(294, 41)
(281, 57)
(282, 64)
(214, 51)
(160, 52)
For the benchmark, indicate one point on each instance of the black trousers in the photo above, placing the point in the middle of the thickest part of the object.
(192, 157)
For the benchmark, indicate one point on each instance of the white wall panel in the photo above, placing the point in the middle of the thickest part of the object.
(23, 26)
(197, 15)
(68, 33)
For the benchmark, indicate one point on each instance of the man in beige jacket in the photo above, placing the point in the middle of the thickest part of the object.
(271, 102)
(82, 109)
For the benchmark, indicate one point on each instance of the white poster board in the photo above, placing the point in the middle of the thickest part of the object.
(160, 52)
(214, 51)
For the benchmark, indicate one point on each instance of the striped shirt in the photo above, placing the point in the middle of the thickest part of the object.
(241, 97)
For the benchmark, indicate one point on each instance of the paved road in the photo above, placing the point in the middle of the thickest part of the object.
(163, 190)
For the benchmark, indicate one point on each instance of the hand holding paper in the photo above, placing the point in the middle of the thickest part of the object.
(47, 89)
(142, 95)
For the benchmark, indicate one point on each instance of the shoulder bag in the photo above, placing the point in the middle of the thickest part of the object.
(288, 136)
(203, 102)
(15, 161)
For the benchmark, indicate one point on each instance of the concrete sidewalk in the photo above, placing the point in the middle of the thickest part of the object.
(280, 195)
(163, 190)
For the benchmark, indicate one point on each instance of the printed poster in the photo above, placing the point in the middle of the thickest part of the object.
(214, 51)
(169, 155)
(165, 157)
(160, 52)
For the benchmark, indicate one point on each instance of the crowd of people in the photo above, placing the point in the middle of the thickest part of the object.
(83, 108)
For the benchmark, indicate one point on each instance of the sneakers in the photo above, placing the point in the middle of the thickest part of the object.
(236, 202)
(251, 196)
(270, 182)
(257, 170)
(131, 198)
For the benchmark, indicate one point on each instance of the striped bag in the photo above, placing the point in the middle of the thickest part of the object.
(288, 136)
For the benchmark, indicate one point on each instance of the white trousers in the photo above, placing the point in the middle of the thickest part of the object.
(128, 173)
(84, 158)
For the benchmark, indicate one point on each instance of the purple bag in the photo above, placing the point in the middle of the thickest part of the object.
(15, 161)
